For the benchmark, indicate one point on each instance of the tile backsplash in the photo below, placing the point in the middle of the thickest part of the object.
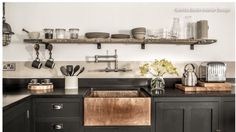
(24, 70)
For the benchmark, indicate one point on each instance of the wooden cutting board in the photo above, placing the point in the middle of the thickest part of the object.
(201, 89)
(40, 86)
(220, 85)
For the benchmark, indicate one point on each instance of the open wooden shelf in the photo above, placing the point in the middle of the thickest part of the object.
(99, 41)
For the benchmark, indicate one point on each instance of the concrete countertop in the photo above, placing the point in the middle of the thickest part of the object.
(12, 98)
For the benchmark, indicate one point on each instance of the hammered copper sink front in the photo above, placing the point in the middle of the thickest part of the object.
(117, 108)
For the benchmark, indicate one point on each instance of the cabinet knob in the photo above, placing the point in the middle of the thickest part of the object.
(57, 106)
(57, 126)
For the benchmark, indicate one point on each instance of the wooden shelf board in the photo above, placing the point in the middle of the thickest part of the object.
(126, 41)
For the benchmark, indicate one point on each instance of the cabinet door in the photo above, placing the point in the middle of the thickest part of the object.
(16, 118)
(169, 117)
(228, 114)
(202, 116)
(186, 115)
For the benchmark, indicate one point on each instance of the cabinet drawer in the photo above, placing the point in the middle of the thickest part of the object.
(56, 107)
(57, 125)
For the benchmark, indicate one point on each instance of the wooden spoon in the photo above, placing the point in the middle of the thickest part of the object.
(82, 69)
(76, 69)
(63, 70)
(69, 69)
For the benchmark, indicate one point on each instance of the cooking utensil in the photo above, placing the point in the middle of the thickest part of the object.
(69, 69)
(97, 35)
(76, 69)
(25, 30)
(32, 35)
(81, 70)
(63, 70)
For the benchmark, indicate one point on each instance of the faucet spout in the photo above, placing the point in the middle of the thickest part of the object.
(115, 61)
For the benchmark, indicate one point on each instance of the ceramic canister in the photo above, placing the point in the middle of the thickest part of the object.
(71, 82)
(202, 29)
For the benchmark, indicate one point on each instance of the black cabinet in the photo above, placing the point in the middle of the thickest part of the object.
(186, 114)
(17, 118)
(169, 114)
(227, 122)
(56, 114)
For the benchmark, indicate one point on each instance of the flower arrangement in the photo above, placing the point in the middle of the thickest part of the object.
(158, 68)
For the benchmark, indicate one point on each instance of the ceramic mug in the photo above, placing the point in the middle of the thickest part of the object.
(34, 81)
(50, 63)
(46, 81)
(37, 64)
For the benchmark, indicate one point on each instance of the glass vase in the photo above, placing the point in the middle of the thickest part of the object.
(158, 85)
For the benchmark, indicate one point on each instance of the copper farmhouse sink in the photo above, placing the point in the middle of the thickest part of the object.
(117, 108)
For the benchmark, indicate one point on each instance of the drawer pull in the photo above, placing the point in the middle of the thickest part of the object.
(57, 106)
(57, 126)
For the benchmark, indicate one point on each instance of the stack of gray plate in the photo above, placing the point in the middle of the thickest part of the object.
(97, 35)
(120, 36)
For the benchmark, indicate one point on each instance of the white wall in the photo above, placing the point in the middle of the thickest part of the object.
(114, 18)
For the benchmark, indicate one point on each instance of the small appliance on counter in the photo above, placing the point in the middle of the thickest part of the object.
(212, 72)
(212, 78)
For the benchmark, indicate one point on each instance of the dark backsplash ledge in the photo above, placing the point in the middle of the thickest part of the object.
(10, 84)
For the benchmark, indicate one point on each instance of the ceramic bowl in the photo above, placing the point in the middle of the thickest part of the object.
(139, 35)
(34, 35)
(139, 29)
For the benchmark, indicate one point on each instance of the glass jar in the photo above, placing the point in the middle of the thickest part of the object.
(175, 30)
(189, 27)
(152, 33)
(48, 33)
(164, 33)
(60, 33)
(74, 33)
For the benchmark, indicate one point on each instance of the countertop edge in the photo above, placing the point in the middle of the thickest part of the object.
(170, 93)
